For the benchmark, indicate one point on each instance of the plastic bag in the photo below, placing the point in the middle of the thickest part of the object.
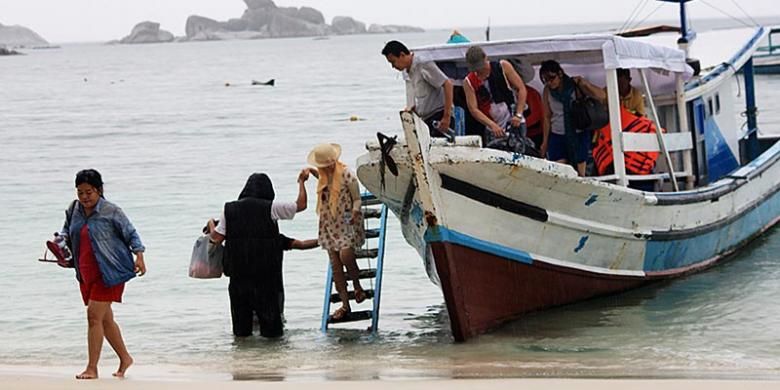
(206, 260)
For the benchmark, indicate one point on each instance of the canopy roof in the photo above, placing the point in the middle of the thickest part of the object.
(610, 50)
(587, 55)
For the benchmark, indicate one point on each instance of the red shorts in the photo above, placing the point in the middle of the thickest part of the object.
(92, 286)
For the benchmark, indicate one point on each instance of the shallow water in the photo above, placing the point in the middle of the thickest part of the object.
(174, 143)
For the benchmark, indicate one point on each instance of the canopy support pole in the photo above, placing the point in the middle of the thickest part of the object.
(682, 125)
(659, 135)
(616, 127)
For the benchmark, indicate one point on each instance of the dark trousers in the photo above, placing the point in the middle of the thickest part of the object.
(433, 131)
(249, 298)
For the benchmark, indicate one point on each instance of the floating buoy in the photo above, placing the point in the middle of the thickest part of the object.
(354, 118)
(227, 84)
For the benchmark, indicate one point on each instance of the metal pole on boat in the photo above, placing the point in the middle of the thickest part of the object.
(616, 127)
(658, 134)
(753, 149)
(682, 125)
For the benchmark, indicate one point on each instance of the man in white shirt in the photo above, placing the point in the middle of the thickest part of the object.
(429, 92)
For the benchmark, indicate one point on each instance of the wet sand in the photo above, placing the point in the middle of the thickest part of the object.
(22, 382)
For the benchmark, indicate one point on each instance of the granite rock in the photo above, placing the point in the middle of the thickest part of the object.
(347, 25)
(147, 32)
(19, 36)
(392, 29)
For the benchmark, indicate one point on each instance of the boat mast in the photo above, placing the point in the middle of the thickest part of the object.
(686, 34)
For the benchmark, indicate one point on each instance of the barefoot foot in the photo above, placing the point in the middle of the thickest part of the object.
(124, 364)
(89, 373)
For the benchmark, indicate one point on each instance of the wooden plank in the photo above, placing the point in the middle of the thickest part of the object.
(648, 142)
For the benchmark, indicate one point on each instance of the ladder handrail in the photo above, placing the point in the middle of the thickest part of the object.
(326, 304)
(377, 288)
(379, 266)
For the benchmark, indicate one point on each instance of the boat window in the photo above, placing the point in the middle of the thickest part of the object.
(717, 103)
(710, 112)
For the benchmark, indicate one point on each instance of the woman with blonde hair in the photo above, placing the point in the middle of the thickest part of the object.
(340, 220)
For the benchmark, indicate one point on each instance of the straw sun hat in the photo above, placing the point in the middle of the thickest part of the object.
(324, 155)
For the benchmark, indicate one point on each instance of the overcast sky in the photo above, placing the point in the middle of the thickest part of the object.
(103, 20)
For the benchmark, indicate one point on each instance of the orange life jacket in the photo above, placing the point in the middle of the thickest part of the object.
(637, 163)
(534, 119)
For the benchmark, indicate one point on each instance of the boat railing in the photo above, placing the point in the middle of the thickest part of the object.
(680, 142)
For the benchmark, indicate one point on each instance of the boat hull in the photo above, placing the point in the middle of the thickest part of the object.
(483, 290)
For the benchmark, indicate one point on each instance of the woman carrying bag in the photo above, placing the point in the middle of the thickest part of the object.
(104, 241)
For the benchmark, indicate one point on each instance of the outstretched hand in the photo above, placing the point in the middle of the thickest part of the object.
(304, 175)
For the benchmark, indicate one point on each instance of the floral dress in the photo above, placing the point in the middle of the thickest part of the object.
(337, 233)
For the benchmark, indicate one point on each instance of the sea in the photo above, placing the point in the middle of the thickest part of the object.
(176, 129)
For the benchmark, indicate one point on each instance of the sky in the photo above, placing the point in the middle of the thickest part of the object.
(103, 20)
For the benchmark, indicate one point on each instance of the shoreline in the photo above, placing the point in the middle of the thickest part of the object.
(36, 382)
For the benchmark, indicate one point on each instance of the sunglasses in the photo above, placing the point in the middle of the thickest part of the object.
(549, 78)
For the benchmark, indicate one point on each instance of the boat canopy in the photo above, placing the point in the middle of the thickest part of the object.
(585, 54)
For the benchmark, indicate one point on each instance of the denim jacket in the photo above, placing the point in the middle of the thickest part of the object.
(113, 239)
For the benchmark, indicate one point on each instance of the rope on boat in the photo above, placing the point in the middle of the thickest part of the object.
(631, 17)
(705, 2)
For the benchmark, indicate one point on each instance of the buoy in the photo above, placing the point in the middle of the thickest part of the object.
(227, 84)
(354, 118)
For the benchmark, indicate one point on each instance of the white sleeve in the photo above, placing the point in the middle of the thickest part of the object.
(283, 210)
(222, 226)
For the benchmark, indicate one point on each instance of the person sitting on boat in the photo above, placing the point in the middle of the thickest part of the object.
(341, 220)
(254, 252)
(490, 89)
(428, 89)
(630, 98)
(561, 141)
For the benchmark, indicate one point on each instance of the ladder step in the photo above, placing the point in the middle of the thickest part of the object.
(367, 253)
(367, 273)
(334, 298)
(352, 316)
(370, 201)
(372, 213)
(372, 233)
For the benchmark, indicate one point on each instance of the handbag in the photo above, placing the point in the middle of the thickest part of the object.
(587, 113)
(515, 141)
(206, 259)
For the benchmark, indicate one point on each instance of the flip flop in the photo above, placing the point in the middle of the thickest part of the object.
(55, 250)
(360, 296)
(340, 313)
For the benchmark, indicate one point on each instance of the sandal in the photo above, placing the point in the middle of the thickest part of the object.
(360, 295)
(340, 313)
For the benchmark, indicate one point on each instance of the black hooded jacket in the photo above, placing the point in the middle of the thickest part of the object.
(253, 250)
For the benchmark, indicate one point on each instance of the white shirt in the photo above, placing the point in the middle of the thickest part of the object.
(279, 210)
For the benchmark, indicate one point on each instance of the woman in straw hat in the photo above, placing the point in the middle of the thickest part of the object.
(341, 221)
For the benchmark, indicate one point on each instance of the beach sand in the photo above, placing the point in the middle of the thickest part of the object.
(24, 382)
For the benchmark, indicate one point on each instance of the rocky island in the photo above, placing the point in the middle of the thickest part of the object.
(147, 32)
(263, 19)
(19, 36)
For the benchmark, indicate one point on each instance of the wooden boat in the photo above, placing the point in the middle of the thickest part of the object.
(504, 234)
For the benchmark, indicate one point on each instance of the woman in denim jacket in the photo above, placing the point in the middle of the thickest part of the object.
(102, 239)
